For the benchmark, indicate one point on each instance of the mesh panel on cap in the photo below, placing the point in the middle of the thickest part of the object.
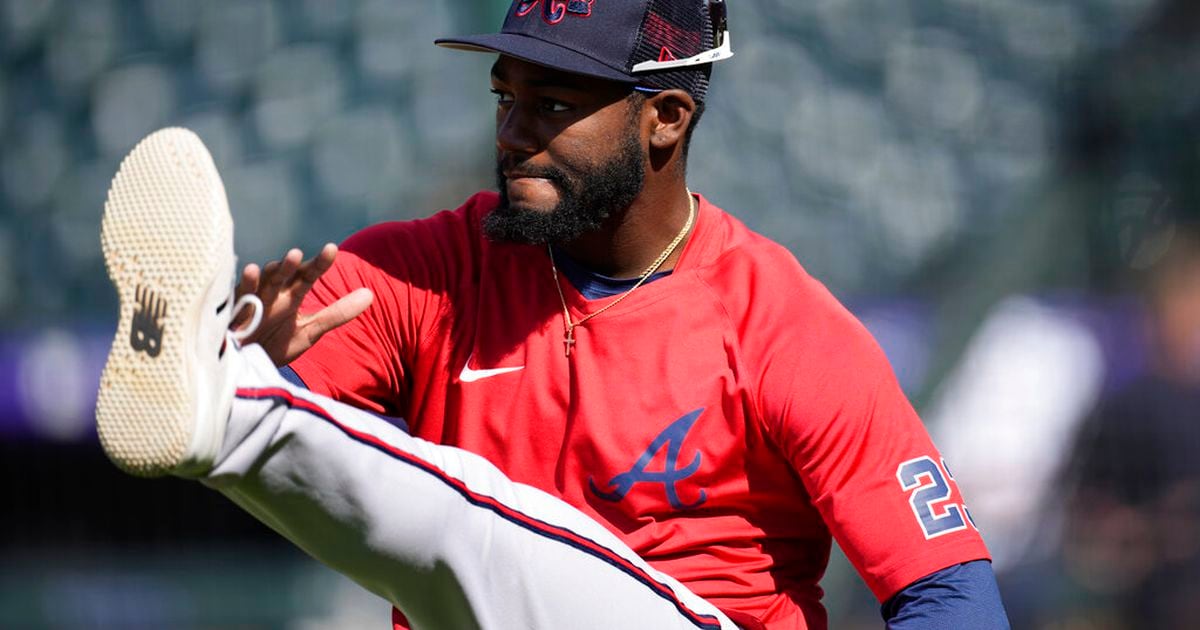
(683, 28)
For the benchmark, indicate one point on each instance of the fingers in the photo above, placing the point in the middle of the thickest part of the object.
(282, 286)
(312, 269)
(292, 270)
(248, 284)
(277, 273)
(293, 277)
(345, 309)
(249, 281)
(309, 272)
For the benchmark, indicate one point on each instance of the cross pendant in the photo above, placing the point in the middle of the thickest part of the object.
(568, 341)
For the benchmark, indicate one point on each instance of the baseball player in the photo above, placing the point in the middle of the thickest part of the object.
(622, 408)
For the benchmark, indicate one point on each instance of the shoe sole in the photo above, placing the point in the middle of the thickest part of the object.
(166, 222)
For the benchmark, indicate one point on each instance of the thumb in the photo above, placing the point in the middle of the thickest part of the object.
(343, 310)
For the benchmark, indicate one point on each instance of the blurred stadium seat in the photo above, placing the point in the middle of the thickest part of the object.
(902, 127)
(919, 156)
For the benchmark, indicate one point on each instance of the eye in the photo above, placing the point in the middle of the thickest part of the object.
(555, 107)
(502, 97)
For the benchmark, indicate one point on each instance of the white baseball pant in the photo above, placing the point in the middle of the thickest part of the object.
(438, 531)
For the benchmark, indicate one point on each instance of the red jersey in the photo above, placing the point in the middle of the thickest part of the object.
(724, 421)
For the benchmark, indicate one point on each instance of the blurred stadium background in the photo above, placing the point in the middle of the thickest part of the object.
(1004, 190)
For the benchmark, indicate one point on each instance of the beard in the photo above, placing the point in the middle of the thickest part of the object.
(588, 196)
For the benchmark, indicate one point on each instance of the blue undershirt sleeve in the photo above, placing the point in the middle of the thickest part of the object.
(955, 598)
(292, 377)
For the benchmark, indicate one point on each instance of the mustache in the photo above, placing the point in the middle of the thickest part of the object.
(509, 165)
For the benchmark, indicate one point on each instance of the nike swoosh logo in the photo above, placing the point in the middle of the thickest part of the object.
(470, 376)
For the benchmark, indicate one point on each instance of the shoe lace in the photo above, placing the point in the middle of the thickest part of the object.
(255, 319)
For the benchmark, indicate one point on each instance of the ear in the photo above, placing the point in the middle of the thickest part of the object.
(672, 114)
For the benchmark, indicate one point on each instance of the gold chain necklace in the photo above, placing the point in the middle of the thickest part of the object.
(570, 326)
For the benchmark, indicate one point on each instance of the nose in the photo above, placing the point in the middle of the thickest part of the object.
(515, 131)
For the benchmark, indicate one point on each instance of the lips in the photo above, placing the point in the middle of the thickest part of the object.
(527, 173)
(516, 176)
(526, 186)
(512, 169)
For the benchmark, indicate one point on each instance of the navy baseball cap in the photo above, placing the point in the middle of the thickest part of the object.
(655, 44)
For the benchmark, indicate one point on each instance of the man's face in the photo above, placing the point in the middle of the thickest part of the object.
(569, 153)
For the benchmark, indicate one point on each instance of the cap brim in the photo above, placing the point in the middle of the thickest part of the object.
(536, 51)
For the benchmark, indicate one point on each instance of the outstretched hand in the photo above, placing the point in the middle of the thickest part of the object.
(285, 333)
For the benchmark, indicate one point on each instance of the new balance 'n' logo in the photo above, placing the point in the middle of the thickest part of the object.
(145, 334)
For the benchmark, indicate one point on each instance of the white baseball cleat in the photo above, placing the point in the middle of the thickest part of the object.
(167, 236)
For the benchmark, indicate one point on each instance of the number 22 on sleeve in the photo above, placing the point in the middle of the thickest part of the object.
(930, 487)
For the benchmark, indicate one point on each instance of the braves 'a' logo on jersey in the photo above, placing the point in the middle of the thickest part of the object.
(672, 438)
(553, 11)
